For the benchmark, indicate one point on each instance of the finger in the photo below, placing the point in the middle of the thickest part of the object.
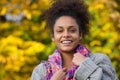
(64, 69)
(76, 53)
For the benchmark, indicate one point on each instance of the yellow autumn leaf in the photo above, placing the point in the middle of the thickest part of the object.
(99, 6)
(95, 42)
(4, 26)
(119, 25)
(36, 13)
(42, 26)
(2, 59)
(107, 26)
(3, 11)
(16, 11)
(18, 33)
(97, 49)
(34, 47)
(34, 6)
(14, 40)
(44, 3)
(107, 50)
(3, 1)
(27, 13)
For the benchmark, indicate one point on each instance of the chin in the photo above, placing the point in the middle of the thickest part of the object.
(67, 50)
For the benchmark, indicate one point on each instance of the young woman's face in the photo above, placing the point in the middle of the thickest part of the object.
(66, 34)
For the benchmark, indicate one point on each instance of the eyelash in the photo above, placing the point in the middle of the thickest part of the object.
(72, 30)
(59, 31)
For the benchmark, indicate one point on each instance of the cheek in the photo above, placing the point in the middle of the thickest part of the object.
(76, 36)
(77, 39)
(56, 37)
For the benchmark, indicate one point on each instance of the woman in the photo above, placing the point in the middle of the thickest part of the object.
(68, 21)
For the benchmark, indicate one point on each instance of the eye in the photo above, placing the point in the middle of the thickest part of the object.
(59, 31)
(72, 30)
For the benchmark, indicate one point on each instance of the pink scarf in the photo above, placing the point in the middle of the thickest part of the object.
(54, 63)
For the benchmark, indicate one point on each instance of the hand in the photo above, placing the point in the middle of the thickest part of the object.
(60, 74)
(78, 58)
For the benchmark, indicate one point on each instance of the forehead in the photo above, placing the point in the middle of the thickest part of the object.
(65, 21)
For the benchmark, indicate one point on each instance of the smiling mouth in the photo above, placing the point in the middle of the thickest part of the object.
(66, 42)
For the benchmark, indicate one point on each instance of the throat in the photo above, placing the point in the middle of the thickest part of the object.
(67, 65)
(67, 60)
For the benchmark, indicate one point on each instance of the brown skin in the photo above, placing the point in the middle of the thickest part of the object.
(59, 75)
(67, 37)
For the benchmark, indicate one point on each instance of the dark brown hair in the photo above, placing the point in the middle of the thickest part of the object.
(74, 8)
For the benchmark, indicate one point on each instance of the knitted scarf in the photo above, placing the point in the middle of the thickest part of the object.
(54, 63)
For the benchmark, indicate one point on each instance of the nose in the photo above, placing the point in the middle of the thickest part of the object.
(66, 34)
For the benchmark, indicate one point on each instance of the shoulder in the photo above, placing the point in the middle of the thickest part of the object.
(104, 62)
(38, 72)
(100, 57)
(39, 67)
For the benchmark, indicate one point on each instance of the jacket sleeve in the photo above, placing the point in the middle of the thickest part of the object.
(38, 73)
(97, 68)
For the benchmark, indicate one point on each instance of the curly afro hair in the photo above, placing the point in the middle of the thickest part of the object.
(74, 8)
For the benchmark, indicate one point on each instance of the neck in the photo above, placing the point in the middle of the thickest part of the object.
(67, 59)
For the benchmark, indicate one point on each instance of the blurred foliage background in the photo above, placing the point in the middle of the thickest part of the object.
(24, 42)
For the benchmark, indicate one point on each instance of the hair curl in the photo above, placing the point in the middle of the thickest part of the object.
(74, 8)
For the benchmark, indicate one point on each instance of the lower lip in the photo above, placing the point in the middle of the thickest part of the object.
(66, 44)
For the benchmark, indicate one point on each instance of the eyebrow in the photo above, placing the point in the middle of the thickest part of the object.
(59, 26)
(62, 27)
(71, 26)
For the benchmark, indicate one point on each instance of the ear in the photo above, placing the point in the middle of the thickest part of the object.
(52, 37)
(80, 35)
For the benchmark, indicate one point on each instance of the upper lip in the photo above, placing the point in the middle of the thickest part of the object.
(66, 40)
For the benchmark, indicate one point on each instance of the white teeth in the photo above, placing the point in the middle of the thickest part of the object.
(66, 42)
